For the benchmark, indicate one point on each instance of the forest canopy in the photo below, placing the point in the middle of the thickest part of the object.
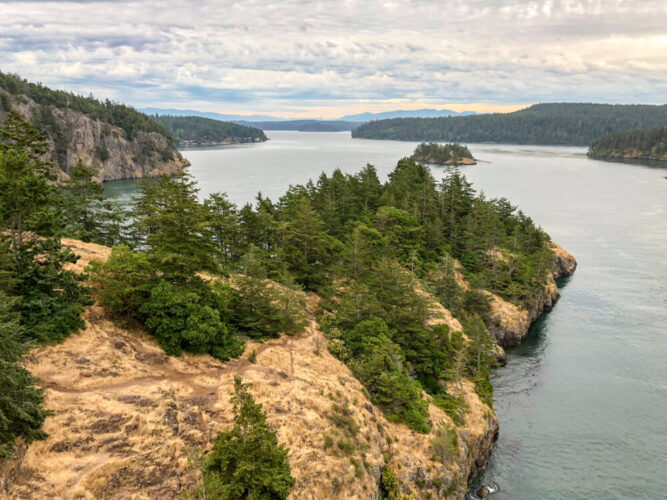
(554, 123)
(635, 144)
(201, 131)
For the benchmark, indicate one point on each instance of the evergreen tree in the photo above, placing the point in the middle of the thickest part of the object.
(247, 462)
(89, 216)
(175, 227)
(20, 413)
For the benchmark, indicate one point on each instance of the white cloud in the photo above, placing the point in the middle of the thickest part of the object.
(292, 55)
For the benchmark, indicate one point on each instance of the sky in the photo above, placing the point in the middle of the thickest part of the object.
(298, 58)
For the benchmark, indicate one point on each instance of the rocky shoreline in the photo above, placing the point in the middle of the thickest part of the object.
(509, 323)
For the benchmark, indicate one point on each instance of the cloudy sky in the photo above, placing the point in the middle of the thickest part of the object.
(329, 58)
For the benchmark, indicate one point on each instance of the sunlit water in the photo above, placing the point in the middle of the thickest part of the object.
(583, 402)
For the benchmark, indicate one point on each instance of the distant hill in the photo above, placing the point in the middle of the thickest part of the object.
(405, 113)
(199, 131)
(557, 123)
(305, 125)
(116, 140)
(209, 114)
(634, 144)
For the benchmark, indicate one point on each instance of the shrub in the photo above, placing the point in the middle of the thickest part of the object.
(247, 461)
(181, 320)
(454, 406)
(123, 283)
(390, 487)
(445, 443)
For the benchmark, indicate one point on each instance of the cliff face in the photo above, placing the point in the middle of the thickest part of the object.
(509, 324)
(102, 146)
(127, 419)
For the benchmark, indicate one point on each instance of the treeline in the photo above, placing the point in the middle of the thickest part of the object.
(441, 154)
(204, 276)
(557, 123)
(635, 144)
(119, 115)
(201, 131)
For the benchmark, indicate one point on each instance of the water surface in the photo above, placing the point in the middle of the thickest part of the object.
(583, 403)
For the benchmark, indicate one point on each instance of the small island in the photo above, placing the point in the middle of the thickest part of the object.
(443, 154)
(199, 131)
(632, 145)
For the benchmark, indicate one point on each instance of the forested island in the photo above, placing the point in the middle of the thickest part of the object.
(117, 141)
(199, 131)
(557, 123)
(633, 144)
(386, 302)
(443, 154)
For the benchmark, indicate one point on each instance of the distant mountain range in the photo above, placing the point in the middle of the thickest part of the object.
(336, 124)
(206, 114)
(405, 113)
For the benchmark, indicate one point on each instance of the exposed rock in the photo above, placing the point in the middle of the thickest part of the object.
(131, 432)
(509, 323)
(149, 154)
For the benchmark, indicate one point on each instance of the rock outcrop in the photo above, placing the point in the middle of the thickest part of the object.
(102, 146)
(509, 323)
(128, 420)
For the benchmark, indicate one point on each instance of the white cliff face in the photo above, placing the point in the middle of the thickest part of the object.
(104, 147)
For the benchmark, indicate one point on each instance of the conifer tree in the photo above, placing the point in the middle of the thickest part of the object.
(20, 413)
(247, 461)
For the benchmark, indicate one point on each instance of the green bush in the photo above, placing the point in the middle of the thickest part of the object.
(124, 281)
(181, 320)
(247, 461)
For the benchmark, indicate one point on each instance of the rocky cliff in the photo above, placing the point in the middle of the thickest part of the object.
(74, 136)
(128, 420)
(509, 323)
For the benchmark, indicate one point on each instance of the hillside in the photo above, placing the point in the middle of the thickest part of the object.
(131, 417)
(365, 317)
(117, 141)
(199, 131)
(561, 124)
(635, 144)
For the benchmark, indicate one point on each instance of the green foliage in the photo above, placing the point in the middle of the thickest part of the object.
(440, 154)
(181, 319)
(173, 226)
(20, 413)
(454, 406)
(648, 144)
(551, 123)
(390, 487)
(124, 281)
(247, 462)
(197, 130)
(51, 297)
(88, 215)
(445, 444)
(127, 118)
(381, 368)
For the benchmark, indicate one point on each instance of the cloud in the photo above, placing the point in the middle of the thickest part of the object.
(298, 56)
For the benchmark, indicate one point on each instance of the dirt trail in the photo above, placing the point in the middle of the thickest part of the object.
(127, 418)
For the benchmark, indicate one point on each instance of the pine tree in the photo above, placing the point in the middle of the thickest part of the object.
(20, 413)
(175, 227)
(247, 462)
